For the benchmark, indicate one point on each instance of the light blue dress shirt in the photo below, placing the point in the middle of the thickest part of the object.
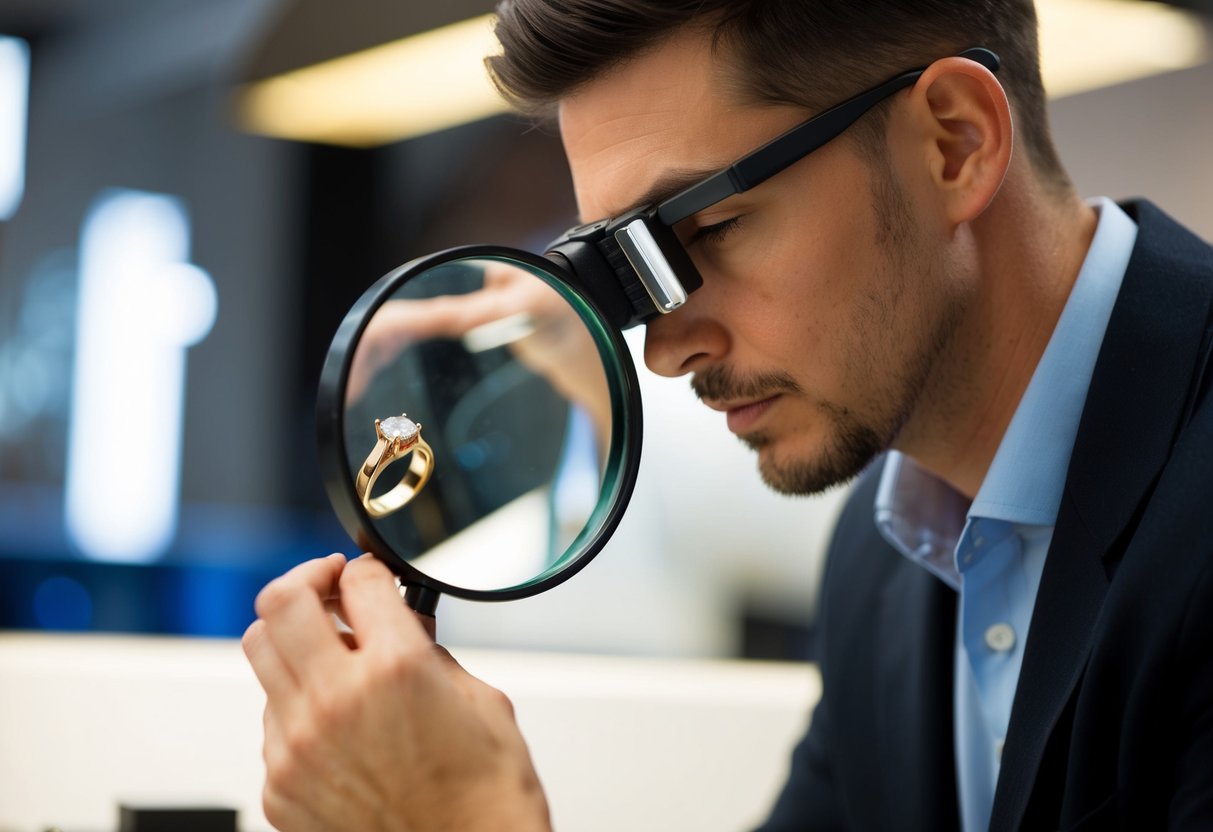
(993, 551)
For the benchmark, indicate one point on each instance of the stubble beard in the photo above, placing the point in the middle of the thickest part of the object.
(853, 441)
(851, 448)
(851, 445)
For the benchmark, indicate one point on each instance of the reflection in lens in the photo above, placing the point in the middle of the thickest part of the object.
(397, 438)
(511, 387)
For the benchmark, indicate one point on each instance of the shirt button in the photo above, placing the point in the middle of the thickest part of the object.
(998, 749)
(1000, 637)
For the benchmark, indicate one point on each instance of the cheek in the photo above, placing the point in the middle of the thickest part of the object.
(781, 315)
(812, 276)
(804, 286)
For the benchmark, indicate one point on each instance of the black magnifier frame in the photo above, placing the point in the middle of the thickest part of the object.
(422, 591)
(634, 279)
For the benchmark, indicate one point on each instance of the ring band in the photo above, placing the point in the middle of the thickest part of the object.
(396, 438)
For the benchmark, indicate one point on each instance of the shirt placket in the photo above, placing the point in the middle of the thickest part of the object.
(988, 558)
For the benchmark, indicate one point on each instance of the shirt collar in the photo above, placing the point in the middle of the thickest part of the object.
(922, 516)
(1028, 472)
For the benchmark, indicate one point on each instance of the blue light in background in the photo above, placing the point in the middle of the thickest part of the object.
(63, 604)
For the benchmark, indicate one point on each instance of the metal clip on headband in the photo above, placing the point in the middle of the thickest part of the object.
(632, 266)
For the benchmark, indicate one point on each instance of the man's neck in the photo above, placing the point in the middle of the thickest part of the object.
(1030, 247)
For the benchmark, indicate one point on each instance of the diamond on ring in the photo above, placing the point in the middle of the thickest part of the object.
(398, 427)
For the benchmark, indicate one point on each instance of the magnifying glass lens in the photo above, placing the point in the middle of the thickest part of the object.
(479, 424)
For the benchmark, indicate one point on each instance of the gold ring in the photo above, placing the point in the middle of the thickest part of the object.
(397, 437)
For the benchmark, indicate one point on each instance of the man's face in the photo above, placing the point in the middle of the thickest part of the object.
(823, 312)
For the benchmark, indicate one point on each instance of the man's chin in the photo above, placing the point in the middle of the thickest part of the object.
(812, 472)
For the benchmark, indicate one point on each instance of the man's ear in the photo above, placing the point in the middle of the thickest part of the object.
(964, 121)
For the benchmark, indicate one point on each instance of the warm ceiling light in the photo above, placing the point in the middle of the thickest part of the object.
(435, 80)
(1089, 44)
(420, 84)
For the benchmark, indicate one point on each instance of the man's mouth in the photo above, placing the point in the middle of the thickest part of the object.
(742, 400)
(742, 416)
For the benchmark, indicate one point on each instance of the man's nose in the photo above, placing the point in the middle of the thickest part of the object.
(683, 342)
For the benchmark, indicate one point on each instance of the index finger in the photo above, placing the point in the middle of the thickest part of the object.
(375, 611)
(297, 623)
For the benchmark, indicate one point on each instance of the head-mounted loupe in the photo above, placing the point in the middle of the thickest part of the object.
(634, 266)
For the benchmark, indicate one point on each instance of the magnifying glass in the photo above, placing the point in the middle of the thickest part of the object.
(479, 424)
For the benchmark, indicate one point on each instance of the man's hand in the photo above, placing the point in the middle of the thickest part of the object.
(379, 729)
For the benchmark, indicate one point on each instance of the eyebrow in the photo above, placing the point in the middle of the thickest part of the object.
(670, 184)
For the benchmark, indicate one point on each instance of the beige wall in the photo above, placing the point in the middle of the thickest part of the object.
(1151, 138)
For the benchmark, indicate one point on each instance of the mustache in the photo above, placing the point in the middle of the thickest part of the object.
(719, 383)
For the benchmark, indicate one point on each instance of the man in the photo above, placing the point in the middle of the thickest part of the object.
(1017, 613)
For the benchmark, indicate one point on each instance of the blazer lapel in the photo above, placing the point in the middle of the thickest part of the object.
(913, 680)
(1139, 393)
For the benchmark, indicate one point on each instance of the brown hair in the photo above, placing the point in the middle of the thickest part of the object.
(807, 53)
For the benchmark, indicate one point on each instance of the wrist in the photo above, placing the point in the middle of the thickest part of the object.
(523, 808)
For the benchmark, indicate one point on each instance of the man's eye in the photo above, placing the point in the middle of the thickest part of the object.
(716, 232)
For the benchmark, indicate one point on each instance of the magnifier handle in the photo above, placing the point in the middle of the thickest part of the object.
(420, 599)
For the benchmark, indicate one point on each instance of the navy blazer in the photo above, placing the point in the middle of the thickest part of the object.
(1112, 721)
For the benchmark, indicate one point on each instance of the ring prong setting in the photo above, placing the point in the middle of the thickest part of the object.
(400, 431)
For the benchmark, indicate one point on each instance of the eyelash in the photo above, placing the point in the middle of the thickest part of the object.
(716, 232)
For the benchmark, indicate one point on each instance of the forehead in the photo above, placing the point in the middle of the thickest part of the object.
(669, 113)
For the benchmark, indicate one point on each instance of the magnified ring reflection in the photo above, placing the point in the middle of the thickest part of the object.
(396, 438)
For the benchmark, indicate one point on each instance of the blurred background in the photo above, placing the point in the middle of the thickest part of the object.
(157, 452)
